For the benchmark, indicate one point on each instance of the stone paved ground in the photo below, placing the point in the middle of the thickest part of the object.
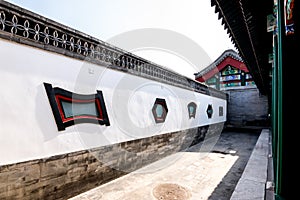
(209, 170)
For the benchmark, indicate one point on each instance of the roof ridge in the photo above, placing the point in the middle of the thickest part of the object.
(227, 53)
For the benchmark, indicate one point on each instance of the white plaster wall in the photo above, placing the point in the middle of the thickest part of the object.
(27, 126)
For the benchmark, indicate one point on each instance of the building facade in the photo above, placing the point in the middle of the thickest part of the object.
(226, 72)
(247, 107)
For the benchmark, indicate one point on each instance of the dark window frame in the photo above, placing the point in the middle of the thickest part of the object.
(192, 114)
(162, 102)
(56, 95)
(209, 111)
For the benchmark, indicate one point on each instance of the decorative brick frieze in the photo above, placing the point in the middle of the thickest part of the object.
(25, 27)
(63, 176)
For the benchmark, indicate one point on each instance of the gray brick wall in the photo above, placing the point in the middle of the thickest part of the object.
(247, 107)
(64, 176)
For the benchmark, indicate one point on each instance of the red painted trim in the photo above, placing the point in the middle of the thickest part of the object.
(99, 109)
(228, 61)
(62, 115)
(61, 112)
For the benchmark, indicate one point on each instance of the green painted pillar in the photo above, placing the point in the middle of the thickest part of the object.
(274, 105)
(281, 31)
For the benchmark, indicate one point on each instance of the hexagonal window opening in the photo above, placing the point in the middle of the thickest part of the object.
(160, 110)
(209, 111)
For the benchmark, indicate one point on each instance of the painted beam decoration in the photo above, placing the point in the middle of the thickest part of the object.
(289, 17)
(69, 108)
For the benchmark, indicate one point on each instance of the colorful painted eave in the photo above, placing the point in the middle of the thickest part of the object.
(228, 57)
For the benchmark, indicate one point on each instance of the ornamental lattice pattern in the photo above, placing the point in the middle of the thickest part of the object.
(21, 25)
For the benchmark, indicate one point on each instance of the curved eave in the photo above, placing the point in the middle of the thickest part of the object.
(228, 53)
(216, 69)
(246, 24)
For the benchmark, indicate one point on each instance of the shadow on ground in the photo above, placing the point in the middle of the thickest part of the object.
(237, 142)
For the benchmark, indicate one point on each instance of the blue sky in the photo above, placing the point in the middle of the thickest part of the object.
(104, 19)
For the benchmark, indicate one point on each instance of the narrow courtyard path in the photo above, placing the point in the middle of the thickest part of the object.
(209, 170)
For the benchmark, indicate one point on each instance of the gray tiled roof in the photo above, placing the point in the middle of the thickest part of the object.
(223, 56)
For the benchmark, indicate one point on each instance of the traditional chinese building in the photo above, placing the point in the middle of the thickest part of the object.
(247, 107)
(227, 71)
